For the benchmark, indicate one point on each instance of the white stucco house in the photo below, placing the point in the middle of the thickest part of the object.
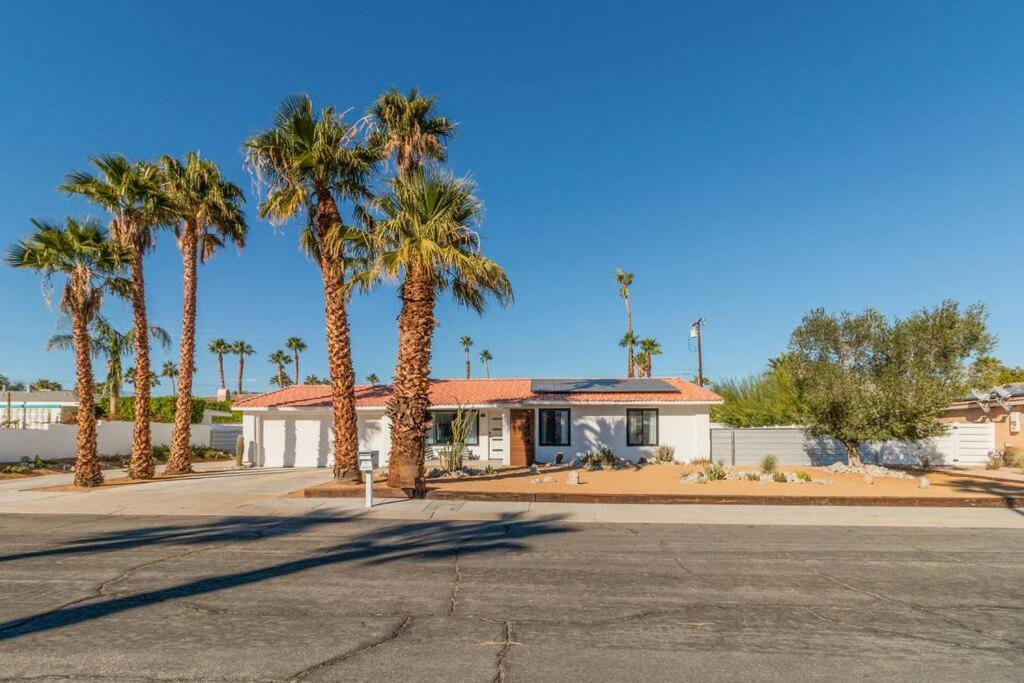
(519, 421)
(37, 409)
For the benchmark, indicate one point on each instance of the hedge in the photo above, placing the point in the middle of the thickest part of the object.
(161, 409)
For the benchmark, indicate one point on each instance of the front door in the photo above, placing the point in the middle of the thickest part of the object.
(520, 447)
(495, 437)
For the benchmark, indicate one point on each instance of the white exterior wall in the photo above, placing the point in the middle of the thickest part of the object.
(58, 441)
(305, 438)
(482, 450)
(685, 427)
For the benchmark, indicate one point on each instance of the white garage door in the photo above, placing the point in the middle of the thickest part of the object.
(296, 442)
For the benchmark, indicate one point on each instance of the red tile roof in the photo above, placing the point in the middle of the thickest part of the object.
(476, 392)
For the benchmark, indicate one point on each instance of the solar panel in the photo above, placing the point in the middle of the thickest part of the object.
(600, 386)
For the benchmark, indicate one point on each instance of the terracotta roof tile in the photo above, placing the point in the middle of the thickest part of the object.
(474, 392)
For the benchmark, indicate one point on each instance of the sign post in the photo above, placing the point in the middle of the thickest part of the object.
(366, 467)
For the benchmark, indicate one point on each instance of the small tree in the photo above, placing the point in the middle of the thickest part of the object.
(862, 378)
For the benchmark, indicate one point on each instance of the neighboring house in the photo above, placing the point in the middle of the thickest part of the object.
(34, 409)
(520, 421)
(1005, 413)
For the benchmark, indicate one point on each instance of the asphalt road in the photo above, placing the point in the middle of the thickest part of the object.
(327, 599)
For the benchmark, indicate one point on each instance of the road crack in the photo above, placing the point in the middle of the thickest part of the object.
(338, 659)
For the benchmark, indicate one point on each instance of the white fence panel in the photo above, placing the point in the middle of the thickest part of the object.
(58, 441)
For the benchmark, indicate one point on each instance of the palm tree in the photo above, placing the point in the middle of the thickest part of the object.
(207, 214)
(171, 371)
(406, 129)
(486, 358)
(641, 363)
(426, 241)
(131, 378)
(110, 343)
(466, 343)
(295, 345)
(372, 379)
(90, 264)
(241, 349)
(625, 280)
(629, 342)
(42, 384)
(309, 162)
(651, 348)
(280, 359)
(219, 347)
(313, 379)
(131, 194)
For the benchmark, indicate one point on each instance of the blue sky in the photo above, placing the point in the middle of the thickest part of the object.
(746, 161)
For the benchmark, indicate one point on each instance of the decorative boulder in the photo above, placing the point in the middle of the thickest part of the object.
(573, 478)
(923, 483)
(868, 479)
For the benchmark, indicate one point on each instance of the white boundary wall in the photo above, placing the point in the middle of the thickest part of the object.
(57, 441)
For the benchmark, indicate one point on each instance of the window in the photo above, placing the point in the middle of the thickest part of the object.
(554, 427)
(441, 428)
(642, 427)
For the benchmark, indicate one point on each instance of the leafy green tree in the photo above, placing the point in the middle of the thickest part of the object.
(993, 372)
(8, 385)
(765, 400)
(45, 385)
(863, 378)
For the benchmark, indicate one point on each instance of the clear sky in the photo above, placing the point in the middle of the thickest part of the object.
(746, 161)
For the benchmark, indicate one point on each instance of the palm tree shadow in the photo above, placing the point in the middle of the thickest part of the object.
(421, 540)
(1010, 492)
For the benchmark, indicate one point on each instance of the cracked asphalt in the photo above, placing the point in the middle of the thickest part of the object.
(329, 598)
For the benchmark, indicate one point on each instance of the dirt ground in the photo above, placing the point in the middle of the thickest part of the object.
(34, 473)
(665, 479)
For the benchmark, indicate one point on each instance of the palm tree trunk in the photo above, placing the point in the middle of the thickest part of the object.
(220, 370)
(296, 367)
(113, 371)
(87, 465)
(410, 401)
(241, 366)
(339, 347)
(140, 466)
(487, 369)
(180, 459)
(630, 365)
(853, 452)
(467, 363)
(280, 376)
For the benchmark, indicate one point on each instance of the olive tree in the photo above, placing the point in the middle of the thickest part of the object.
(862, 377)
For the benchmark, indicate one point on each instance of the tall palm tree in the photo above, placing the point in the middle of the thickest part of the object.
(625, 280)
(219, 347)
(651, 348)
(90, 264)
(295, 345)
(130, 192)
(426, 241)
(310, 163)
(280, 359)
(405, 128)
(466, 343)
(629, 342)
(373, 379)
(241, 349)
(207, 214)
(107, 342)
(170, 370)
(486, 358)
(641, 363)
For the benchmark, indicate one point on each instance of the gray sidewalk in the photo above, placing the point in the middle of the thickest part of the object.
(262, 493)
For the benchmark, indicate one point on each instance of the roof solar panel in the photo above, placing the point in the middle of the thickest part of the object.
(600, 386)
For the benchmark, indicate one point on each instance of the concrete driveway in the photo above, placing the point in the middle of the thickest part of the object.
(316, 597)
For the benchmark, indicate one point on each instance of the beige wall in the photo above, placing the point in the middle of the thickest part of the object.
(996, 415)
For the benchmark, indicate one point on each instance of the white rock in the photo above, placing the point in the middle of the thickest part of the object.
(573, 478)
(868, 479)
(547, 478)
(535, 480)
(923, 483)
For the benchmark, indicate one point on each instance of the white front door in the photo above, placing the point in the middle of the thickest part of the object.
(495, 436)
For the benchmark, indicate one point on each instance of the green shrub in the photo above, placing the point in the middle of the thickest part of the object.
(161, 409)
(665, 454)
(1013, 456)
(803, 476)
(603, 457)
(769, 463)
(161, 453)
(752, 476)
(779, 477)
(714, 472)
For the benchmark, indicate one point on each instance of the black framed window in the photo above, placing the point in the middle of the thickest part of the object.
(642, 427)
(554, 426)
(441, 428)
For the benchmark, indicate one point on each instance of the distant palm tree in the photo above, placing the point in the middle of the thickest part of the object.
(219, 347)
(373, 379)
(641, 363)
(651, 348)
(406, 128)
(107, 342)
(309, 162)
(90, 264)
(280, 359)
(426, 240)
(241, 349)
(130, 192)
(313, 379)
(207, 213)
(466, 343)
(131, 378)
(629, 342)
(625, 280)
(295, 345)
(171, 371)
(486, 358)
(45, 385)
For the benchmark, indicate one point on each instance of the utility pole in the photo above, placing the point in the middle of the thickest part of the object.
(695, 330)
